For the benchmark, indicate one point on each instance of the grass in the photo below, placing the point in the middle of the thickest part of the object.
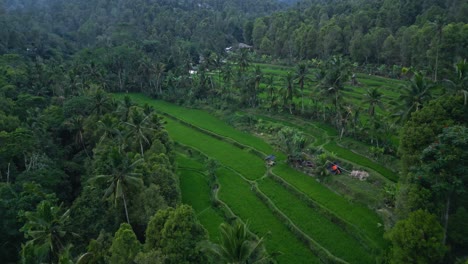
(319, 228)
(238, 195)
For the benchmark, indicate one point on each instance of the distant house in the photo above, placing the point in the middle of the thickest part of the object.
(238, 46)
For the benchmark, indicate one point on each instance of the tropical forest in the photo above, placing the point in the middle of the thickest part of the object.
(234, 131)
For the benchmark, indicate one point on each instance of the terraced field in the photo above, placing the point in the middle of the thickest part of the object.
(305, 221)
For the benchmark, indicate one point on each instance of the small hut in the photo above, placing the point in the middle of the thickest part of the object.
(270, 160)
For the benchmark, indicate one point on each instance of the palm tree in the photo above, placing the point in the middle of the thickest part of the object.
(272, 97)
(301, 75)
(288, 95)
(258, 77)
(414, 96)
(243, 60)
(439, 25)
(374, 98)
(238, 246)
(107, 128)
(124, 107)
(159, 69)
(76, 126)
(460, 83)
(120, 176)
(139, 128)
(227, 79)
(101, 102)
(45, 232)
(144, 70)
(333, 74)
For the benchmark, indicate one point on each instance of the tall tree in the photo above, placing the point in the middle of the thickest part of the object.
(125, 245)
(414, 96)
(333, 75)
(139, 128)
(417, 239)
(46, 233)
(288, 94)
(446, 164)
(238, 246)
(301, 76)
(120, 177)
(173, 235)
(374, 98)
(459, 84)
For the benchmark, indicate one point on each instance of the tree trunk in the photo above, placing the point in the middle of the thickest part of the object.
(436, 63)
(141, 148)
(125, 206)
(446, 217)
(83, 144)
(302, 98)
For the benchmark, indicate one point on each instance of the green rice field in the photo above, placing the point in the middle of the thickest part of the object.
(242, 173)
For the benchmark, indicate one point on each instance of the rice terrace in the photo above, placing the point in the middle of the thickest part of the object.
(234, 131)
(299, 214)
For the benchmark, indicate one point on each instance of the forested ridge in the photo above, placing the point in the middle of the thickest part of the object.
(86, 178)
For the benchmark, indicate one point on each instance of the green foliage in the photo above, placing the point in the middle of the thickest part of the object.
(59, 128)
(45, 233)
(174, 234)
(90, 215)
(125, 246)
(15, 200)
(457, 233)
(424, 126)
(121, 177)
(417, 239)
(237, 246)
(292, 142)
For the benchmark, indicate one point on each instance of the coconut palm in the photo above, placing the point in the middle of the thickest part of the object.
(76, 126)
(243, 59)
(139, 128)
(288, 95)
(159, 70)
(459, 85)
(258, 77)
(438, 24)
(44, 230)
(124, 108)
(333, 74)
(107, 128)
(414, 96)
(120, 176)
(301, 75)
(144, 71)
(374, 98)
(100, 102)
(238, 246)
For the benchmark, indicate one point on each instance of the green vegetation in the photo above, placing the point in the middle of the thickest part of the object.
(362, 103)
(238, 195)
(357, 215)
(203, 120)
(195, 192)
(206, 143)
(315, 225)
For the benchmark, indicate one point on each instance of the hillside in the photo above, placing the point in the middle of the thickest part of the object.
(328, 131)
